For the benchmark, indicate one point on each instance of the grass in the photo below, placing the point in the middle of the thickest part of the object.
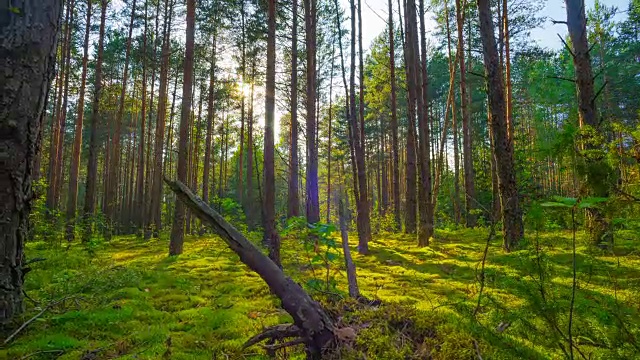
(131, 301)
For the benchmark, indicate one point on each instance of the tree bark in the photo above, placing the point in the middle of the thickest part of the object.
(595, 165)
(92, 163)
(271, 237)
(394, 122)
(155, 199)
(313, 200)
(141, 199)
(177, 231)
(293, 196)
(72, 199)
(410, 176)
(208, 159)
(512, 227)
(27, 57)
(467, 146)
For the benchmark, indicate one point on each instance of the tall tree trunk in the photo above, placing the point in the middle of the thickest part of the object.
(454, 120)
(329, 144)
(394, 121)
(467, 147)
(595, 164)
(141, 199)
(507, 59)
(57, 120)
(425, 195)
(92, 163)
(177, 231)
(208, 159)
(410, 69)
(293, 197)
(113, 180)
(72, 198)
(249, 208)
(271, 237)
(512, 228)
(27, 63)
(240, 188)
(362, 222)
(155, 203)
(313, 202)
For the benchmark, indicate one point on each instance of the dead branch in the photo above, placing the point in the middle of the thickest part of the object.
(279, 332)
(57, 352)
(28, 322)
(275, 347)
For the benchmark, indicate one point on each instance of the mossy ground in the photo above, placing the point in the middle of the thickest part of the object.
(131, 301)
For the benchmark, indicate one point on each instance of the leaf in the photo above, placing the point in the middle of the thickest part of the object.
(316, 259)
(331, 256)
(590, 202)
(565, 200)
(552, 204)
(16, 10)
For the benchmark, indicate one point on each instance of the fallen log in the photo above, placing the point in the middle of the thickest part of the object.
(316, 328)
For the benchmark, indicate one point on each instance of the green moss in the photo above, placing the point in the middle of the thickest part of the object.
(131, 301)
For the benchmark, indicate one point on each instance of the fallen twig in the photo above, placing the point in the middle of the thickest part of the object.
(275, 347)
(58, 352)
(28, 322)
(281, 331)
(475, 345)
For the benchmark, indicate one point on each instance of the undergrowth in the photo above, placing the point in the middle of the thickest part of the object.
(126, 299)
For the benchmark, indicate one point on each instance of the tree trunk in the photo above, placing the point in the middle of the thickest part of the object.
(155, 203)
(362, 222)
(72, 199)
(113, 180)
(507, 59)
(410, 69)
(316, 327)
(92, 163)
(425, 195)
(141, 199)
(313, 201)
(248, 205)
(27, 64)
(467, 146)
(394, 122)
(208, 159)
(271, 237)
(293, 197)
(512, 227)
(595, 163)
(177, 231)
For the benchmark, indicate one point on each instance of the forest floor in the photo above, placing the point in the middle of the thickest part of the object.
(126, 299)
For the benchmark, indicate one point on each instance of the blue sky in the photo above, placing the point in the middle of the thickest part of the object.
(545, 36)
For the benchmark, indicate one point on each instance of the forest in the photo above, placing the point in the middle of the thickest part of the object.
(285, 179)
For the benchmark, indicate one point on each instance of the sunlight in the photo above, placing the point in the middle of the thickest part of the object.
(244, 88)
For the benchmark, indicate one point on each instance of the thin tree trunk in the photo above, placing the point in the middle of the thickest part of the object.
(208, 159)
(411, 203)
(467, 146)
(329, 144)
(293, 197)
(155, 203)
(113, 181)
(271, 236)
(72, 198)
(512, 228)
(394, 121)
(177, 231)
(92, 164)
(249, 208)
(141, 200)
(313, 202)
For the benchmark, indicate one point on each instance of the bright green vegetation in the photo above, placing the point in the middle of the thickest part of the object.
(133, 302)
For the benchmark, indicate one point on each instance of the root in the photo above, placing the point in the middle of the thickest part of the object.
(277, 332)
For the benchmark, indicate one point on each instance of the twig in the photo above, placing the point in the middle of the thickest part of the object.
(567, 46)
(58, 352)
(274, 332)
(573, 286)
(275, 347)
(476, 74)
(28, 322)
(30, 261)
(475, 345)
(561, 78)
(492, 232)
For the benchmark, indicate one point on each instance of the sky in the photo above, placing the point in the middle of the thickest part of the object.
(546, 36)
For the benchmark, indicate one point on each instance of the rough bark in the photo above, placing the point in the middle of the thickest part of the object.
(313, 200)
(512, 227)
(74, 171)
(113, 179)
(271, 237)
(92, 163)
(155, 199)
(394, 122)
(425, 195)
(317, 328)
(177, 231)
(293, 197)
(27, 57)
(594, 168)
(141, 200)
(410, 173)
(352, 277)
(208, 159)
(467, 151)
(362, 204)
